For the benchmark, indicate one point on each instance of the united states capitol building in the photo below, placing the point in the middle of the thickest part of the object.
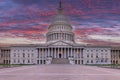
(60, 48)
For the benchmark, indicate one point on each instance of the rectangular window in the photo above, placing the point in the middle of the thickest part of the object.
(23, 61)
(87, 61)
(87, 55)
(28, 61)
(23, 54)
(92, 55)
(28, 55)
(91, 61)
(14, 54)
(18, 61)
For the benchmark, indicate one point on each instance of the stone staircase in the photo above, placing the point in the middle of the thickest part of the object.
(60, 61)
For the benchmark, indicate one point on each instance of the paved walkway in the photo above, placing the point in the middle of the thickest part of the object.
(59, 72)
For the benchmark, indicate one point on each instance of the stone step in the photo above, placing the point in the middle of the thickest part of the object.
(60, 61)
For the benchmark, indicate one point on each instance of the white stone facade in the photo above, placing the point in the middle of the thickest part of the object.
(23, 55)
(97, 55)
(75, 55)
(60, 45)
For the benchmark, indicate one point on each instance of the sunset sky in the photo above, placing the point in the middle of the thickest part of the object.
(26, 21)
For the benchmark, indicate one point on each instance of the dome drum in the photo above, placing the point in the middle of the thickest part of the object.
(60, 36)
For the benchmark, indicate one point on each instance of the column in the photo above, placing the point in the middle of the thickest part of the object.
(49, 52)
(51, 36)
(55, 53)
(71, 52)
(64, 36)
(41, 55)
(45, 53)
(4, 56)
(59, 35)
(68, 52)
(38, 54)
(64, 53)
(77, 55)
(58, 53)
(80, 52)
(68, 37)
(74, 53)
(55, 36)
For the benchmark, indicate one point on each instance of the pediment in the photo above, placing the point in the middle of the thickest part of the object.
(60, 43)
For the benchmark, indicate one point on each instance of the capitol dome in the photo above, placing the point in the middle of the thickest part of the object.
(60, 29)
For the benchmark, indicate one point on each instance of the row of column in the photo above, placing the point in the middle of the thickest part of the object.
(62, 36)
(115, 56)
(5, 56)
(78, 61)
(60, 52)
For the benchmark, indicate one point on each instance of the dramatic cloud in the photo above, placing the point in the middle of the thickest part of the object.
(29, 2)
(26, 21)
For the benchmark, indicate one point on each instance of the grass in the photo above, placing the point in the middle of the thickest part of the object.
(12, 65)
(103, 64)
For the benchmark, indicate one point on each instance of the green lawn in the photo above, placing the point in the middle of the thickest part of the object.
(103, 64)
(9, 65)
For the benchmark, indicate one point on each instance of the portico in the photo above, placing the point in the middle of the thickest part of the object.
(56, 52)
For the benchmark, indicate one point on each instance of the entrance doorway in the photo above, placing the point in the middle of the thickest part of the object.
(60, 55)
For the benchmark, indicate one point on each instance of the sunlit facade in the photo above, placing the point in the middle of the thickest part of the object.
(60, 48)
